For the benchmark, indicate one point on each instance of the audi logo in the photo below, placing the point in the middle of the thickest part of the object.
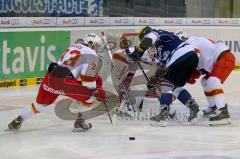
(15, 21)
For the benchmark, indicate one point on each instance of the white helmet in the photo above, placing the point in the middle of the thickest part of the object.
(181, 34)
(92, 38)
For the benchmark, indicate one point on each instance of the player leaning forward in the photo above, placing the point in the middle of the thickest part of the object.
(75, 76)
(216, 62)
(180, 60)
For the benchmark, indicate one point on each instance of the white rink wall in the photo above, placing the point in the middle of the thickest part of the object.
(228, 34)
(21, 69)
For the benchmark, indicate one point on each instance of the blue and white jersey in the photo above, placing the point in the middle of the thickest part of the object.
(169, 46)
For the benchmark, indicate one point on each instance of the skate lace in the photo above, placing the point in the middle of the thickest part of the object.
(208, 110)
(217, 113)
(17, 121)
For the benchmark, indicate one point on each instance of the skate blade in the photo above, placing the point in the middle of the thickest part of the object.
(209, 116)
(135, 117)
(11, 130)
(159, 124)
(220, 122)
(120, 117)
(20, 130)
(130, 113)
(79, 130)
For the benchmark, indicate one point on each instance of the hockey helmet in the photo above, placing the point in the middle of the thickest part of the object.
(144, 31)
(181, 34)
(92, 39)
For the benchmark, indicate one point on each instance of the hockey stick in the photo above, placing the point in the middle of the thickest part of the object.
(140, 107)
(158, 92)
(109, 116)
(111, 58)
(108, 48)
(156, 89)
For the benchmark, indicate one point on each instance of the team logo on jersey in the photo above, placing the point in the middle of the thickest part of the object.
(159, 49)
(165, 55)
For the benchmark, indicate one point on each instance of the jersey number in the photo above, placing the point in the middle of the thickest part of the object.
(70, 57)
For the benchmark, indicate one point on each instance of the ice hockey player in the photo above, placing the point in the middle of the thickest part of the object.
(74, 75)
(126, 108)
(180, 61)
(216, 62)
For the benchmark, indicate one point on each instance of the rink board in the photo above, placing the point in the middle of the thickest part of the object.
(27, 52)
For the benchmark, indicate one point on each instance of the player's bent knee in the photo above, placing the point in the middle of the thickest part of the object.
(213, 83)
(177, 91)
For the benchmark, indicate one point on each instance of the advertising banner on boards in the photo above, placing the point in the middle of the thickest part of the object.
(28, 54)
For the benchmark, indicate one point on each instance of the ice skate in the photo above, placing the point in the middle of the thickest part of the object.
(121, 112)
(221, 117)
(125, 111)
(195, 112)
(130, 110)
(80, 124)
(208, 112)
(16, 123)
(172, 115)
(162, 118)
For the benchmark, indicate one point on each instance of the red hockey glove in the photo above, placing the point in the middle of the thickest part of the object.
(99, 92)
(195, 75)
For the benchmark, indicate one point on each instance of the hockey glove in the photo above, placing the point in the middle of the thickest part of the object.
(136, 54)
(100, 92)
(195, 75)
(151, 86)
(52, 66)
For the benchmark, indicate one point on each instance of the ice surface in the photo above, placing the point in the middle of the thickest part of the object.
(45, 136)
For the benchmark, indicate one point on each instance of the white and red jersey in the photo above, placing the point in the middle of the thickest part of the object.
(208, 51)
(83, 62)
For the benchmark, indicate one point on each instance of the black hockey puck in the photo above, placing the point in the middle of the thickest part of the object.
(131, 138)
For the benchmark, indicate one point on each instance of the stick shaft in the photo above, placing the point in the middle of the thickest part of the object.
(148, 80)
(108, 48)
(109, 116)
